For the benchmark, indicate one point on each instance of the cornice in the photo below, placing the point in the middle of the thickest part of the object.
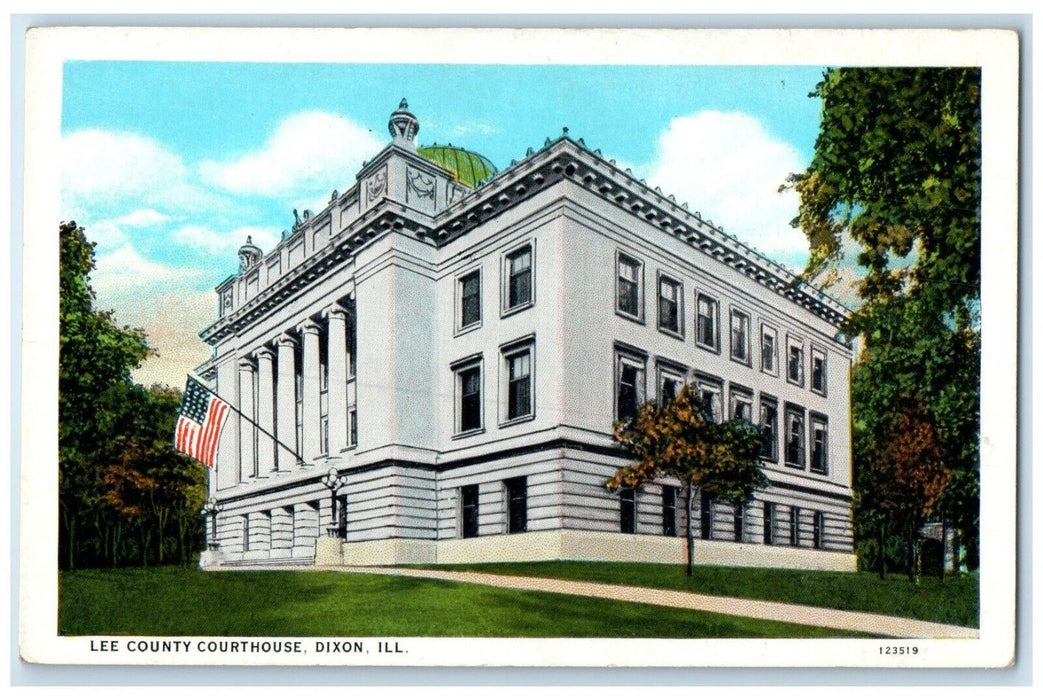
(566, 159)
(558, 161)
(385, 217)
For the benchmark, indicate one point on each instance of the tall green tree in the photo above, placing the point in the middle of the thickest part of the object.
(681, 440)
(95, 360)
(124, 493)
(897, 171)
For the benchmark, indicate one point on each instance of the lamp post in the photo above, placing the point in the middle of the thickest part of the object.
(212, 508)
(333, 481)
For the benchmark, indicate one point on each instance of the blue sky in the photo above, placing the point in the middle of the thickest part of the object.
(170, 165)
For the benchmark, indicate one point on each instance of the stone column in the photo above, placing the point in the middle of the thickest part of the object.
(265, 411)
(247, 465)
(310, 414)
(337, 356)
(286, 403)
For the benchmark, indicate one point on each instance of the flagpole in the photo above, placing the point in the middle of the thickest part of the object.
(300, 460)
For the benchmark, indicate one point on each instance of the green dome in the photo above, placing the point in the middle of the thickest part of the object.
(468, 168)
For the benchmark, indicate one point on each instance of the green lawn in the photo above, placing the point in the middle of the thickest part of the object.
(953, 601)
(174, 601)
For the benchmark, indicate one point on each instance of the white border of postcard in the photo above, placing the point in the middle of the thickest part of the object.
(995, 51)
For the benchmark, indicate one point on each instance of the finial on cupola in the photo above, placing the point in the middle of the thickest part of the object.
(403, 126)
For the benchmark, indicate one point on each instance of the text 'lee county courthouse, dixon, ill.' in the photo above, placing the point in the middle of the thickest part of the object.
(456, 342)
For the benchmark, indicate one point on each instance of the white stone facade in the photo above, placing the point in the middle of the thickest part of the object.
(458, 355)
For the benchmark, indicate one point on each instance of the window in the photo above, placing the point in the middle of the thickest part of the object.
(469, 511)
(342, 516)
(795, 436)
(627, 511)
(795, 363)
(517, 506)
(670, 511)
(794, 526)
(630, 385)
(671, 379)
(470, 290)
(668, 389)
(628, 300)
(469, 396)
(519, 385)
(740, 336)
(353, 427)
(768, 351)
(738, 528)
(819, 444)
(706, 322)
(709, 392)
(742, 405)
(769, 430)
(670, 296)
(246, 533)
(352, 359)
(769, 523)
(818, 528)
(818, 371)
(518, 269)
(517, 401)
(705, 516)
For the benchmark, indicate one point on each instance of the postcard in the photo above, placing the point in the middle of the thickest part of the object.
(502, 347)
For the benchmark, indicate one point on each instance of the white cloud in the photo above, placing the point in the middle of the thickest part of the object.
(727, 167)
(107, 234)
(472, 127)
(110, 234)
(210, 240)
(124, 276)
(308, 151)
(107, 174)
(99, 163)
(142, 218)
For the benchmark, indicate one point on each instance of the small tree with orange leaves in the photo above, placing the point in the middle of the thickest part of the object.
(681, 440)
(920, 472)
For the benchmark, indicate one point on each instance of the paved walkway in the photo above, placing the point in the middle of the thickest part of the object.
(871, 623)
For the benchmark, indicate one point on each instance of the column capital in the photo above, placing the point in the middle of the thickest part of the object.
(337, 312)
(264, 353)
(247, 363)
(309, 326)
(286, 340)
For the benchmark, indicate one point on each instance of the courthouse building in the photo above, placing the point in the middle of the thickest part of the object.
(456, 342)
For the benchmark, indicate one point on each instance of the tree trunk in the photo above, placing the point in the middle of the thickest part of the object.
(689, 535)
(883, 554)
(71, 541)
(910, 554)
(945, 536)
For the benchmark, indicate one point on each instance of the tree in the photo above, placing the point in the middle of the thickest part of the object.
(95, 359)
(681, 440)
(897, 169)
(897, 164)
(124, 493)
(904, 478)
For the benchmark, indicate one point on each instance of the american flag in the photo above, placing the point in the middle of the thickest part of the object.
(199, 423)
